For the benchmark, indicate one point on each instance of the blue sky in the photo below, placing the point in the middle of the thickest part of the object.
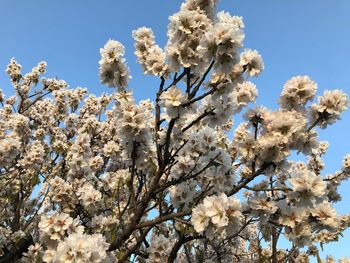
(295, 37)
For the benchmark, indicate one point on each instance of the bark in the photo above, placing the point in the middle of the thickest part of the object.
(17, 250)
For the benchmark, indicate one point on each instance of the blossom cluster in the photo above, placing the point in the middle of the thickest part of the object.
(217, 213)
(113, 69)
(107, 178)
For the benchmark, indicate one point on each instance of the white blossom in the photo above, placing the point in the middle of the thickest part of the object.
(252, 62)
(81, 248)
(329, 107)
(297, 92)
(113, 69)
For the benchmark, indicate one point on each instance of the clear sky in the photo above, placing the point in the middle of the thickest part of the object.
(295, 37)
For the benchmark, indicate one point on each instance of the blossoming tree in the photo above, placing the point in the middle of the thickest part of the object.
(106, 179)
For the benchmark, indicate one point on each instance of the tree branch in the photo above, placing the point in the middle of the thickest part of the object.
(17, 250)
(249, 179)
(194, 91)
(179, 244)
(199, 118)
